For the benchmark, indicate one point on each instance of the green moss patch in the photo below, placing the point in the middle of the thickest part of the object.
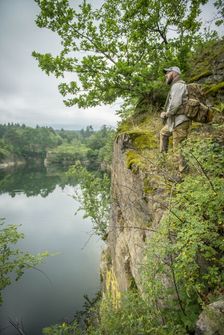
(203, 60)
(203, 74)
(142, 139)
(215, 88)
(134, 161)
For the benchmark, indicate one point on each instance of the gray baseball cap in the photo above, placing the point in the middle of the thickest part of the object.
(172, 68)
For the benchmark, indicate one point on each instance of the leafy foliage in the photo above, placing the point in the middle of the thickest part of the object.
(220, 17)
(134, 315)
(100, 144)
(94, 196)
(14, 261)
(67, 153)
(118, 50)
(185, 260)
(63, 329)
(83, 320)
(95, 187)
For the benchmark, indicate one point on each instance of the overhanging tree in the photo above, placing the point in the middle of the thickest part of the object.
(118, 50)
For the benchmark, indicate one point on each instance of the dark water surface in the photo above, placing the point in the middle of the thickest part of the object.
(42, 204)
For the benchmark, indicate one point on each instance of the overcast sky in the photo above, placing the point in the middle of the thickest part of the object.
(28, 95)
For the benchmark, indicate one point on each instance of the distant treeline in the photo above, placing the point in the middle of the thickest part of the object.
(21, 141)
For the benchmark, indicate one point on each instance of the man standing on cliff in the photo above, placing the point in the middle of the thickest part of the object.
(176, 122)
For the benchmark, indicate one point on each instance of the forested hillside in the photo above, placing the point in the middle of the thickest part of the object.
(20, 143)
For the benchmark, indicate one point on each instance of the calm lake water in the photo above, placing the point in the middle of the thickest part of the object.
(42, 204)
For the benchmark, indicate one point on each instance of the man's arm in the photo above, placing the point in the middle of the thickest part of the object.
(178, 91)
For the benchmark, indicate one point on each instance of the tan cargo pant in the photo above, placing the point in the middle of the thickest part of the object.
(179, 133)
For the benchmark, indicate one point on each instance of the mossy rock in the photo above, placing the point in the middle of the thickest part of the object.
(204, 59)
(149, 188)
(215, 88)
(141, 139)
(125, 126)
(201, 75)
(211, 320)
(134, 161)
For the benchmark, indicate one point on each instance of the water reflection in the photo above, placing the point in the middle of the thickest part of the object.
(33, 180)
(45, 209)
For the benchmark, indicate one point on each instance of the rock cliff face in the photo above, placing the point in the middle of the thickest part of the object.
(132, 215)
(211, 320)
(208, 70)
(139, 198)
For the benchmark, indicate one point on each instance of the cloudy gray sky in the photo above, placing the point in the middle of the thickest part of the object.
(27, 95)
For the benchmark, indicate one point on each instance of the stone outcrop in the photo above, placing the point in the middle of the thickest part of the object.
(208, 70)
(130, 214)
(134, 216)
(211, 320)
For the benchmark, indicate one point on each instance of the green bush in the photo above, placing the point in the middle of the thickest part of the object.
(185, 263)
(94, 197)
(63, 329)
(14, 261)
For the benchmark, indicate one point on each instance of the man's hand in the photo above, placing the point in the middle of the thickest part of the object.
(163, 115)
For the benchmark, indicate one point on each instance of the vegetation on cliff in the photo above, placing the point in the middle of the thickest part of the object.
(188, 245)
